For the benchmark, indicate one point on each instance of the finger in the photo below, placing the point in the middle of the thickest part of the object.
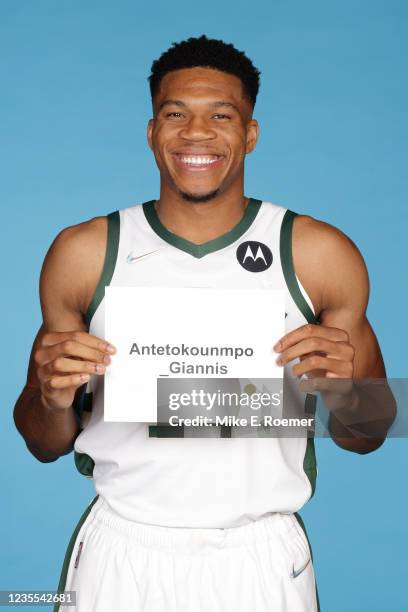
(308, 331)
(62, 365)
(335, 350)
(85, 338)
(342, 369)
(70, 348)
(56, 383)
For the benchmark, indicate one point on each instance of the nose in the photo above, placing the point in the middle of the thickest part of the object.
(197, 129)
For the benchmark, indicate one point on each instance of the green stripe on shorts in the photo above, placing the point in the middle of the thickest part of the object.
(302, 525)
(68, 554)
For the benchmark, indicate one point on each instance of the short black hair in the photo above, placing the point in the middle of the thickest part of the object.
(207, 53)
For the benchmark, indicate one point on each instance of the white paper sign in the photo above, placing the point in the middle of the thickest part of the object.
(185, 333)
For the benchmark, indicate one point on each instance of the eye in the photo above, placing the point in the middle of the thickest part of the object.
(174, 114)
(221, 116)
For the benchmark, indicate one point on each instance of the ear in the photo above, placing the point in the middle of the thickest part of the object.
(150, 126)
(251, 135)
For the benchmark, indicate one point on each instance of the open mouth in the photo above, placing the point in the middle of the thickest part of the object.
(198, 162)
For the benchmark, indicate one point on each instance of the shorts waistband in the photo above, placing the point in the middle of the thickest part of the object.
(192, 539)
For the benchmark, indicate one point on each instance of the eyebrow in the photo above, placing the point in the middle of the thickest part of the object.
(169, 102)
(222, 103)
(180, 103)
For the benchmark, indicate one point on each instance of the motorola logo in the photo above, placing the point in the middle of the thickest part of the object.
(254, 256)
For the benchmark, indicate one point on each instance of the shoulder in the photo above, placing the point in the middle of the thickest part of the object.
(316, 240)
(80, 244)
(74, 262)
(328, 262)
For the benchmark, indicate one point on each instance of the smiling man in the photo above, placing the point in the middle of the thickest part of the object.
(193, 524)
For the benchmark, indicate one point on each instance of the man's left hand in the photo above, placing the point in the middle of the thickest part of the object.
(323, 351)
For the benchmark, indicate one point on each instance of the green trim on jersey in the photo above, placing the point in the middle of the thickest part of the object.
(289, 270)
(111, 254)
(84, 464)
(83, 404)
(309, 464)
(309, 461)
(199, 250)
(70, 548)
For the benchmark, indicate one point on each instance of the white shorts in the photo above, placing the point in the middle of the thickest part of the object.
(116, 565)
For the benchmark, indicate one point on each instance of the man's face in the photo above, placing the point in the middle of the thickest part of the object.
(201, 131)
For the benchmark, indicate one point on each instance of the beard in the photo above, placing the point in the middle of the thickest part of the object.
(196, 199)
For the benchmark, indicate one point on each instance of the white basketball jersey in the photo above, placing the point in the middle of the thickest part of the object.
(188, 481)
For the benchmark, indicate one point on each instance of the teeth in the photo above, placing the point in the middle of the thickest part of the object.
(198, 159)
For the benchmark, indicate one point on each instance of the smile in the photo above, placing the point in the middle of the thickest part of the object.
(198, 162)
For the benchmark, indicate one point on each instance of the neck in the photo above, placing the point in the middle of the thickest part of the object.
(200, 222)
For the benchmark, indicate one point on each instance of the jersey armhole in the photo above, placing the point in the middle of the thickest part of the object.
(112, 246)
(289, 270)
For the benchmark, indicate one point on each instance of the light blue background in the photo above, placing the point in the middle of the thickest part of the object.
(73, 108)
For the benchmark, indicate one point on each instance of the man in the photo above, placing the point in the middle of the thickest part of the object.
(193, 524)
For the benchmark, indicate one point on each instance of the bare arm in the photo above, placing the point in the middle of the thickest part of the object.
(344, 345)
(64, 355)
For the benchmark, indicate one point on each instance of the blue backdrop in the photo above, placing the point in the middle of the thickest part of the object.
(74, 105)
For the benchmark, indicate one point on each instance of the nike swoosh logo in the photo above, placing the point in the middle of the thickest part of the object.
(132, 258)
(296, 573)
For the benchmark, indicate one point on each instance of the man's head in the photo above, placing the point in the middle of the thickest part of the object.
(203, 95)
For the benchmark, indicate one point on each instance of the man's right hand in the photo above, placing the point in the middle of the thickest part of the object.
(65, 361)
